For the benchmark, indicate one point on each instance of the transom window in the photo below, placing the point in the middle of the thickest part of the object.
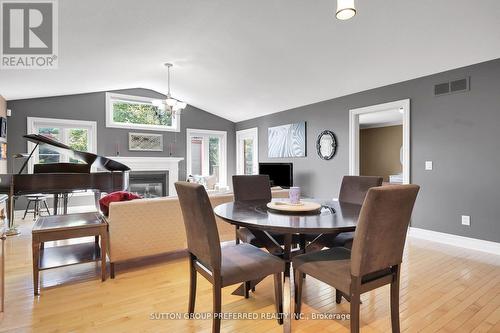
(78, 134)
(134, 112)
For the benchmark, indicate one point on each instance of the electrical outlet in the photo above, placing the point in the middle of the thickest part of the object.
(428, 165)
(466, 220)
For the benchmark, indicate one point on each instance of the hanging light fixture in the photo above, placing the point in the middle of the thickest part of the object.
(171, 105)
(345, 9)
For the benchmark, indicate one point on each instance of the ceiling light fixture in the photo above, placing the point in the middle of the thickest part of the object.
(345, 9)
(171, 105)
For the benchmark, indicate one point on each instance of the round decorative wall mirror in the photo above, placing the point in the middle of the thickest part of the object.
(326, 145)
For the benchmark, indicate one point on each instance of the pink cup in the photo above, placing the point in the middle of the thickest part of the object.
(294, 195)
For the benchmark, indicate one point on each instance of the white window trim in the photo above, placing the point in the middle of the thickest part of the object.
(34, 122)
(146, 100)
(223, 134)
(240, 136)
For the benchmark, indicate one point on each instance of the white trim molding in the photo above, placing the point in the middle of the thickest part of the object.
(455, 240)
(402, 105)
(111, 97)
(241, 135)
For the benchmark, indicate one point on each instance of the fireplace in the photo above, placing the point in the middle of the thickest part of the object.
(169, 166)
(149, 184)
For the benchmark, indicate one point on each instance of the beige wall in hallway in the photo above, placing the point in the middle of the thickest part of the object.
(379, 151)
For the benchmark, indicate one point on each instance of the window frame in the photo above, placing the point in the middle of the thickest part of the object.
(241, 135)
(190, 132)
(33, 123)
(110, 123)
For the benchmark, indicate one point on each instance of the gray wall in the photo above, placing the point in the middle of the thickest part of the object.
(460, 133)
(92, 107)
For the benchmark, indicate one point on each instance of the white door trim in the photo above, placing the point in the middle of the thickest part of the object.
(241, 135)
(404, 106)
(205, 133)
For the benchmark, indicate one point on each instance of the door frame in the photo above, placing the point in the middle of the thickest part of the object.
(241, 135)
(404, 106)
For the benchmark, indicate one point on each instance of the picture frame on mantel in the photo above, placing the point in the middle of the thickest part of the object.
(145, 142)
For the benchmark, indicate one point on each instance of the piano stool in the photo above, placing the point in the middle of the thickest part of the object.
(37, 200)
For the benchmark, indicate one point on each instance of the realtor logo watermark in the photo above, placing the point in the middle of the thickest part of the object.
(29, 38)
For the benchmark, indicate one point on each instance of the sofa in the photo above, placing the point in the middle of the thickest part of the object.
(150, 227)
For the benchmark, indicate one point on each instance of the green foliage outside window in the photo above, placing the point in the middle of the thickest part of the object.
(136, 113)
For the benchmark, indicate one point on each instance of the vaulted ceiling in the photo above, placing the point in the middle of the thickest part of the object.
(245, 58)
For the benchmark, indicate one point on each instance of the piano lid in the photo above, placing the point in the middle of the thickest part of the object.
(89, 158)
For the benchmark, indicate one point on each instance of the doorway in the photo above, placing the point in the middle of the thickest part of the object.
(384, 115)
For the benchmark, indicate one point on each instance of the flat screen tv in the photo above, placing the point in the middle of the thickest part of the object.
(280, 174)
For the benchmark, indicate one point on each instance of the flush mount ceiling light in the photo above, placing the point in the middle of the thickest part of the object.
(345, 9)
(170, 105)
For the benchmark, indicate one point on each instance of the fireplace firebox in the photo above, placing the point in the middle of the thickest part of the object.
(149, 184)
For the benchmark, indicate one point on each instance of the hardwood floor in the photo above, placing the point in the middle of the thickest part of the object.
(443, 289)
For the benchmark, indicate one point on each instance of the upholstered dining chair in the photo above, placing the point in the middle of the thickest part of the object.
(250, 188)
(376, 255)
(353, 190)
(221, 266)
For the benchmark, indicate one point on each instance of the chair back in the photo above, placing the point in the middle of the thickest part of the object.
(199, 220)
(380, 234)
(252, 188)
(354, 188)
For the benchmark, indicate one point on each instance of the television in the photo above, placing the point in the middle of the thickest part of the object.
(280, 174)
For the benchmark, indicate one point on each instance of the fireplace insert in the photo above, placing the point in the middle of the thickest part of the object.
(149, 184)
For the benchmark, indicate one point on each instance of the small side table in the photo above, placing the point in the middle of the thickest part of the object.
(59, 227)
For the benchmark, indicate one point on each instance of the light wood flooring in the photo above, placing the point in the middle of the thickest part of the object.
(443, 289)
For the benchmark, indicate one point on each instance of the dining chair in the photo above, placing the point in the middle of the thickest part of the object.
(250, 188)
(353, 190)
(221, 266)
(376, 255)
(255, 188)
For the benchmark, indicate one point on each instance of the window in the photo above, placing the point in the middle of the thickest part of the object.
(78, 134)
(133, 112)
(206, 154)
(247, 152)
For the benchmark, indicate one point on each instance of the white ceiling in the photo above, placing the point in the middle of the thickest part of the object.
(241, 59)
(381, 118)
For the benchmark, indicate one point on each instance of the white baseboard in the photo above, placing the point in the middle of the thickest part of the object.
(460, 241)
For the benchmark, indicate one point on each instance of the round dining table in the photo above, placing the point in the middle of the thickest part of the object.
(333, 218)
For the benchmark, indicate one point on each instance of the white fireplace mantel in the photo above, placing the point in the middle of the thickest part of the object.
(170, 164)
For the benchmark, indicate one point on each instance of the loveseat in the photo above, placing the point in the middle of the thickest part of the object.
(150, 227)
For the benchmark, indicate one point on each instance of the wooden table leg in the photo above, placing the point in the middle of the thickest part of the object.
(104, 251)
(36, 260)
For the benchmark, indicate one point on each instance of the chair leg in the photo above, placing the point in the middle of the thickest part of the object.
(338, 296)
(216, 306)
(278, 297)
(247, 289)
(355, 298)
(192, 285)
(236, 238)
(46, 207)
(27, 208)
(112, 270)
(298, 280)
(395, 301)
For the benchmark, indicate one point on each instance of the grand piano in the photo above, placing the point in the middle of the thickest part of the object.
(63, 178)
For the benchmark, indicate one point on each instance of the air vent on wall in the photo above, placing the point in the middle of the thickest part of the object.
(455, 86)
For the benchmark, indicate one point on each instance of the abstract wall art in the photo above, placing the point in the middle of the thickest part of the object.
(287, 140)
(145, 142)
